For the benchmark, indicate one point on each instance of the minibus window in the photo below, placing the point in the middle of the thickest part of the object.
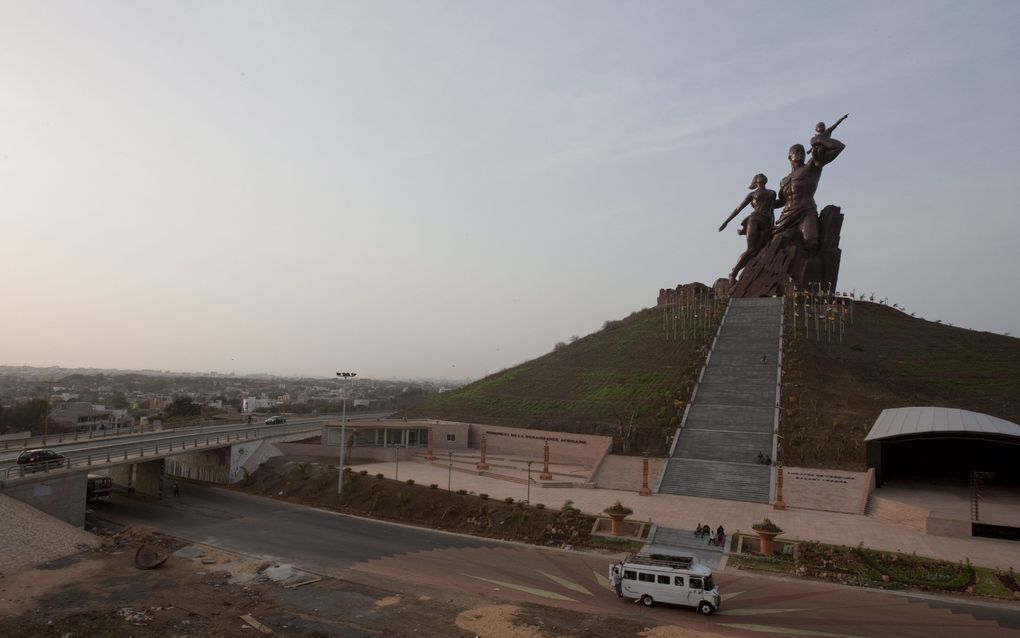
(646, 578)
(629, 574)
(678, 581)
(662, 580)
(695, 583)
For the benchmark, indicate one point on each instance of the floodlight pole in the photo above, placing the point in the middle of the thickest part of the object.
(343, 430)
(527, 499)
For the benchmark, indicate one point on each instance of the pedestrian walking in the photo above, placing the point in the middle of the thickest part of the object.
(177, 490)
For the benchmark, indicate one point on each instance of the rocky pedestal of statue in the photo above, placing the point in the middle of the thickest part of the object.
(785, 258)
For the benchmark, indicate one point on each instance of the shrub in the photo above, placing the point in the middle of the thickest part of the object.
(509, 499)
(409, 481)
(618, 509)
(462, 492)
(363, 472)
(380, 475)
(540, 506)
(484, 497)
(767, 526)
(433, 486)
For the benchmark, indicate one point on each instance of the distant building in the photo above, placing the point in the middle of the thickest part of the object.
(159, 403)
(251, 404)
(79, 416)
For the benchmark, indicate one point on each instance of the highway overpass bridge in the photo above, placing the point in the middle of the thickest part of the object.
(139, 461)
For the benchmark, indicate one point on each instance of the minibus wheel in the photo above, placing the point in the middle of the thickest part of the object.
(705, 607)
(647, 601)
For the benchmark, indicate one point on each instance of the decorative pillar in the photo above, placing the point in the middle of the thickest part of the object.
(482, 465)
(644, 491)
(429, 456)
(545, 475)
(779, 504)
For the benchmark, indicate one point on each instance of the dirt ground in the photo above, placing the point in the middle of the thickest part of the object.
(206, 592)
(202, 591)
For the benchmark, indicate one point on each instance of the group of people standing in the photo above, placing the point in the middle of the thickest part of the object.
(704, 531)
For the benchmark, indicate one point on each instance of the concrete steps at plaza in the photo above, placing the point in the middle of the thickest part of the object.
(732, 416)
(683, 538)
(713, 479)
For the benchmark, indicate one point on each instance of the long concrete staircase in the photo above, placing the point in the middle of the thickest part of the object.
(732, 415)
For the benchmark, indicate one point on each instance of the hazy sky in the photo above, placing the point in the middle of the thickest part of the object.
(447, 189)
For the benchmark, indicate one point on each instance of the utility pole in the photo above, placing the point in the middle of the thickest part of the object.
(348, 376)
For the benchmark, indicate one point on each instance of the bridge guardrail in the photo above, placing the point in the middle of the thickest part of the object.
(92, 435)
(126, 452)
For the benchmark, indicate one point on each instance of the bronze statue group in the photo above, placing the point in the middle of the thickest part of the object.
(795, 197)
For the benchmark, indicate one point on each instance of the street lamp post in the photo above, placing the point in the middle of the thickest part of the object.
(449, 477)
(348, 376)
(528, 498)
(396, 472)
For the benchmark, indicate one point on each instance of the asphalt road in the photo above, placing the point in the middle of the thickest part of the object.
(358, 549)
(315, 540)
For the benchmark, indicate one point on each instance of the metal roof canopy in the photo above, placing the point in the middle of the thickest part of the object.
(921, 421)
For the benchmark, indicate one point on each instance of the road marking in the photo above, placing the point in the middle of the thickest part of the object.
(731, 595)
(791, 631)
(756, 612)
(602, 580)
(568, 584)
(544, 593)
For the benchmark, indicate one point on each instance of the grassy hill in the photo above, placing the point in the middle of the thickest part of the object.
(626, 380)
(832, 393)
(629, 382)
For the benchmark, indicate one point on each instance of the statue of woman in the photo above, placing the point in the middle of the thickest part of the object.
(758, 225)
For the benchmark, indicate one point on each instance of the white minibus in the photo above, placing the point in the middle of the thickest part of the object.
(665, 580)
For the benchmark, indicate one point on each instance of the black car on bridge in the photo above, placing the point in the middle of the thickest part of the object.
(40, 459)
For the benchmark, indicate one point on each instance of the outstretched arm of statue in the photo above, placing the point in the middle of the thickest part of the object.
(832, 128)
(825, 150)
(736, 211)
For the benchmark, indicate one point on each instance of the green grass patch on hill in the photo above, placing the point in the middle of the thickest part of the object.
(628, 381)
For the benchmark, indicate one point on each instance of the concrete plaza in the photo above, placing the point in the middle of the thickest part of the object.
(684, 512)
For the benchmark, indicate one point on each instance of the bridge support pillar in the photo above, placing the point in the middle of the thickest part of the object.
(149, 478)
(124, 475)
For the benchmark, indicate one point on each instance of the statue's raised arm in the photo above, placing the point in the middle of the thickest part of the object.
(824, 149)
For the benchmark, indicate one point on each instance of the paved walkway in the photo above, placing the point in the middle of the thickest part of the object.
(684, 512)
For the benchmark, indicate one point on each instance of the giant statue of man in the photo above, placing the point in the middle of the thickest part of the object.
(797, 190)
